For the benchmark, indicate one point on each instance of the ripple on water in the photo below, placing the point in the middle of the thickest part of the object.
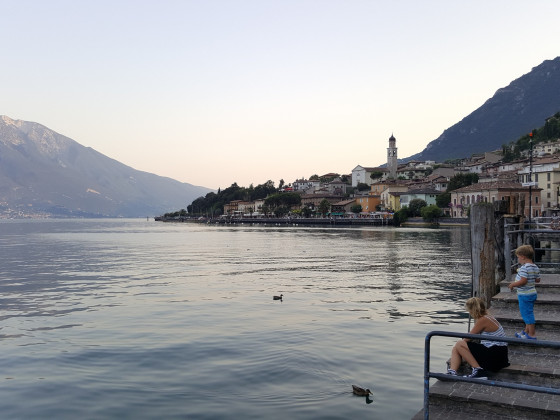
(123, 318)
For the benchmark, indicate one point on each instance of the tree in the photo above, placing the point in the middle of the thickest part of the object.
(280, 184)
(362, 186)
(415, 206)
(509, 153)
(263, 190)
(356, 208)
(462, 180)
(443, 200)
(281, 211)
(314, 177)
(306, 211)
(265, 209)
(324, 206)
(287, 199)
(431, 213)
(376, 175)
(400, 216)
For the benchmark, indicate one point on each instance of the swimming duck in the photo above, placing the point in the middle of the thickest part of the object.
(360, 391)
(277, 297)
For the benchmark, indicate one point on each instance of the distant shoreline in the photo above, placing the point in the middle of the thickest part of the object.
(315, 221)
(444, 221)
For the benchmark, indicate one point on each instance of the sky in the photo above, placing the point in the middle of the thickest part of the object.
(212, 92)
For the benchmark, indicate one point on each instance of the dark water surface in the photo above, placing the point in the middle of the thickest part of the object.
(137, 319)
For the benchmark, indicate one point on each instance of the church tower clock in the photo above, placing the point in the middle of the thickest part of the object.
(392, 157)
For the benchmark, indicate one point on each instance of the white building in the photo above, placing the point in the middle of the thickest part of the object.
(305, 185)
(362, 175)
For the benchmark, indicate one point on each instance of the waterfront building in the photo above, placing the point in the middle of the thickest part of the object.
(341, 208)
(428, 195)
(545, 172)
(385, 191)
(314, 200)
(231, 208)
(369, 202)
(490, 192)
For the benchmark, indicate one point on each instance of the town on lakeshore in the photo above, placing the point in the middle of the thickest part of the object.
(526, 172)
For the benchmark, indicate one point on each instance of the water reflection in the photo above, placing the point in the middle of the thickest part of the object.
(171, 313)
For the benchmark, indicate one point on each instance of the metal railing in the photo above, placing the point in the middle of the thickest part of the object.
(488, 382)
(543, 234)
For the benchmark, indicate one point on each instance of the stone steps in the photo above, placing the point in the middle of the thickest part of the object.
(509, 299)
(459, 400)
(547, 326)
(529, 365)
(523, 373)
(550, 283)
(546, 318)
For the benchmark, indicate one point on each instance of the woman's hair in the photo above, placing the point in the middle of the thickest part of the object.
(476, 307)
(526, 251)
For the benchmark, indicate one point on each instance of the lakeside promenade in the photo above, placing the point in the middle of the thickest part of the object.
(316, 221)
(285, 221)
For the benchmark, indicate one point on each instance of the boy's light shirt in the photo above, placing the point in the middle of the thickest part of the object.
(531, 272)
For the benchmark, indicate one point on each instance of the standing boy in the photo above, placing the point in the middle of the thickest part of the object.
(527, 275)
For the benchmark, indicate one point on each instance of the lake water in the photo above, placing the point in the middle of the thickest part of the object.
(136, 319)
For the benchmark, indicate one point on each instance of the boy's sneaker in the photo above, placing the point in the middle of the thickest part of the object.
(477, 373)
(524, 335)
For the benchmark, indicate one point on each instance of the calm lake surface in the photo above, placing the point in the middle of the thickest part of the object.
(136, 319)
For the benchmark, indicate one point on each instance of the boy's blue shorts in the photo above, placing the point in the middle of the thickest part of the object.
(526, 303)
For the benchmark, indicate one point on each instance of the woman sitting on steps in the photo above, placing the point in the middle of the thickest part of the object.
(486, 355)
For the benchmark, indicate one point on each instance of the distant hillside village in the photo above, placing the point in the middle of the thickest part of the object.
(524, 172)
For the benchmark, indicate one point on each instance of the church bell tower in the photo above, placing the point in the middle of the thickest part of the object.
(392, 157)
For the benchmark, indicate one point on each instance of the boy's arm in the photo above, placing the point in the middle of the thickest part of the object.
(521, 282)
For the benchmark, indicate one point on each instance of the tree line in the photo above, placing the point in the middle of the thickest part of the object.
(550, 131)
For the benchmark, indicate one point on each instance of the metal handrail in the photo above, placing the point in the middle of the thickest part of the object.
(488, 382)
(516, 234)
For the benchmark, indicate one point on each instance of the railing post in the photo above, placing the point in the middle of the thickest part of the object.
(427, 376)
(483, 251)
(507, 249)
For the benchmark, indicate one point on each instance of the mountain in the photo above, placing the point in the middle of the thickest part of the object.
(512, 112)
(43, 173)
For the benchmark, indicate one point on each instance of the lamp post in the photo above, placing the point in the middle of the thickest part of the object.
(530, 175)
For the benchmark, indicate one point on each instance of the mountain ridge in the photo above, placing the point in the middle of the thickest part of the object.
(513, 111)
(45, 173)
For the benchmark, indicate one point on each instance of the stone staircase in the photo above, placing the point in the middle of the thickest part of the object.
(529, 365)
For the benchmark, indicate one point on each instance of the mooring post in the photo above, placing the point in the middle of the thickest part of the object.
(483, 251)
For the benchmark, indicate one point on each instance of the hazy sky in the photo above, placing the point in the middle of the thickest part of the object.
(215, 92)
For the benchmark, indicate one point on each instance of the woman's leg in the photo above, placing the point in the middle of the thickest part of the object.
(461, 352)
